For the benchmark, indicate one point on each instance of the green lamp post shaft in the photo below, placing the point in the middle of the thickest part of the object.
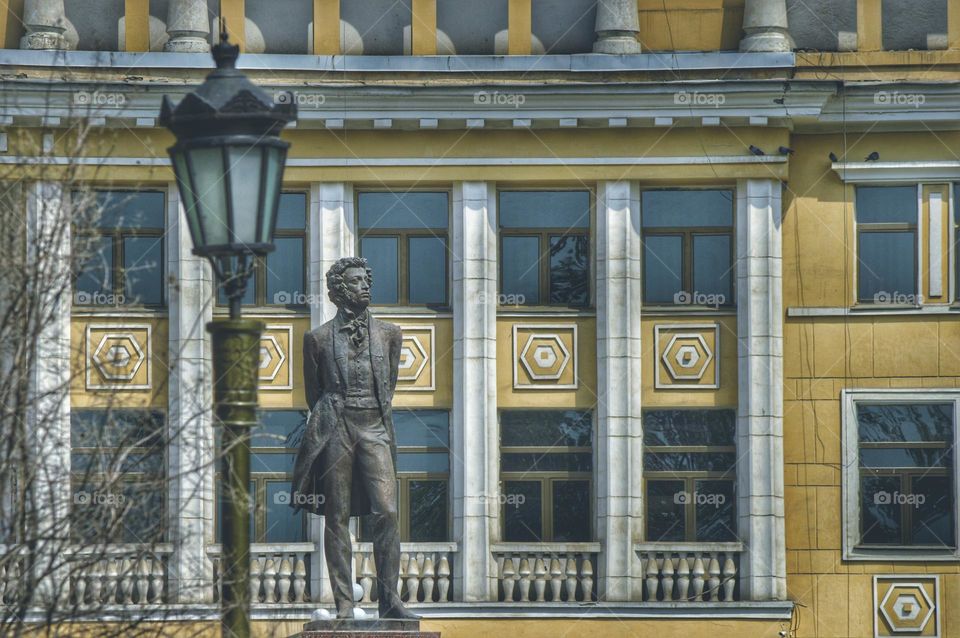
(236, 352)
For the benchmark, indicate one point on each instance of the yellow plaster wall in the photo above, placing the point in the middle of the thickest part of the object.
(289, 399)
(442, 360)
(690, 25)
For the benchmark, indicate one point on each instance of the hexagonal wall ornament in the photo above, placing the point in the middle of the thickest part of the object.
(276, 368)
(545, 356)
(687, 356)
(118, 356)
(906, 605)
(416, 359)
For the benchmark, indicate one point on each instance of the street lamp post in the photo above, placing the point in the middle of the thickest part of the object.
(228, 161)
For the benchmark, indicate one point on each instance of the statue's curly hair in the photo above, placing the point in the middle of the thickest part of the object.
(336, 290)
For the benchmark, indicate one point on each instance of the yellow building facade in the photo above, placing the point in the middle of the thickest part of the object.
(685, 361)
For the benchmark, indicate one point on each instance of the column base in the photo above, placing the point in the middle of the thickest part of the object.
(618, 44)
(43, 40)
(365, 628)
(187, 45)
(772, 41)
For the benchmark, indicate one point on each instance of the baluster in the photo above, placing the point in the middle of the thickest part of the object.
(653, 580)
(556, 579)
(683, 577)
(299, 580)
(366, 577)
(540, 582)
(286, 571)
(3, 584)
(110, 582)
(729, 575)
(255, 570)
(157, 579)
(404, 560)
(80, 588)
(698, 572)
(427, 580)
(96, 583)
(571, 581)
(443, 578)
(524, 573)
(143, 580)
(126, 582)
(586, 578)
(413, 578)
(508, 579)
(667, 580)
(714, 583)
(269, 581)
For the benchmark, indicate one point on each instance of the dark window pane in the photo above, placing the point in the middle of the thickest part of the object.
(665, 511)
(283, 526)
(571, 511)
(427, 270)
(383, 257)
(689, 462)
(715, 505)
(127, 209)
(546, 462)
(221, 503)
(520, 268)
(887, 266)
(143, 270)
(522, 515)
(403, 210)
(279, 428)
(662, 268)
(887, 204)
(712, 268)
(285, 272)
(671, 209)
(549, 428)
(905, 457)
(427, 428)
(570, 270)
(272, 462)
(907, 423)
(117, 428)
(428, 511)
(933, 511)
(689, 427)
(95, 280)
(292, 212)
(434, 462)
(544, 209)
(879, 513)
(143, 519)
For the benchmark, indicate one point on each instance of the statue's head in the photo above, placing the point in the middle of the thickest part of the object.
(348, 283)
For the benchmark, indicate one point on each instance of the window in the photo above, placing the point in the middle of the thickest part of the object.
(689, 465)
(273, 447)
(545, 248)
(404, 238)
(546, 475)
(279, 278)
(117, 476)
(122, 249)
(688, 256)
(423, 476)
(900, 473)
(886, 244)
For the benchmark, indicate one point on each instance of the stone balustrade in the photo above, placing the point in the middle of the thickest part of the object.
(694, 572)
(425, 571)
(279, 574)
(120, 576)
(546, 572)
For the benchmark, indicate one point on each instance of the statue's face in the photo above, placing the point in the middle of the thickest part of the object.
(357, 286)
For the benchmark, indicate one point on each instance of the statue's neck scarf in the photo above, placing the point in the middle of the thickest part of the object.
(354, 324)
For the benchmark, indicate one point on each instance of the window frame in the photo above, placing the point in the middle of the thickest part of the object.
(117, 235)
(850, 476)
(687, 258)
(403, 236)
(916, 228)
(547, 478)
(543, 235)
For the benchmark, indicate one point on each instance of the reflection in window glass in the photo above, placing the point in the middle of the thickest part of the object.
(428, 274)
(382, 254)
(569, 269)
(662, 268)
(520, 268)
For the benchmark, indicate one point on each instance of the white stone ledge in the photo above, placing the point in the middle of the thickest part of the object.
(869, 311)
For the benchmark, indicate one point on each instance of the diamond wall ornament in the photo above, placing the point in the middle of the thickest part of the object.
(687, 356)
(118, 356)
(276, 367)
(906, 605)
(545, 356)
(416, 359)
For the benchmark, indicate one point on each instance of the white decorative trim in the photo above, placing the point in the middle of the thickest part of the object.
(556, 338)
(850, 478)
(870, 310)
(935, 210)
(711, 355)
(285, 357)
(897, 172)
(908, 580)
(427, 358)
(118, 331)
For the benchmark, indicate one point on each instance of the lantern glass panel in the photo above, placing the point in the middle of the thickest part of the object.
(244, 164)
(209, 187)
(184, 179)
(273, 156)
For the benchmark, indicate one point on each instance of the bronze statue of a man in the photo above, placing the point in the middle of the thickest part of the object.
(346, 463)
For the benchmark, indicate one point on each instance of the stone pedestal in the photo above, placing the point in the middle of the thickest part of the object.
(372, 628)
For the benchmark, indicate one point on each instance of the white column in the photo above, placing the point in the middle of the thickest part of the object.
(331, 231)
(48, 416)
(188, 27)
(765, 27)
(45, 23)
(189, 419)
(617, 27)
(474, 478)
(760, 382)
(619, 432)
